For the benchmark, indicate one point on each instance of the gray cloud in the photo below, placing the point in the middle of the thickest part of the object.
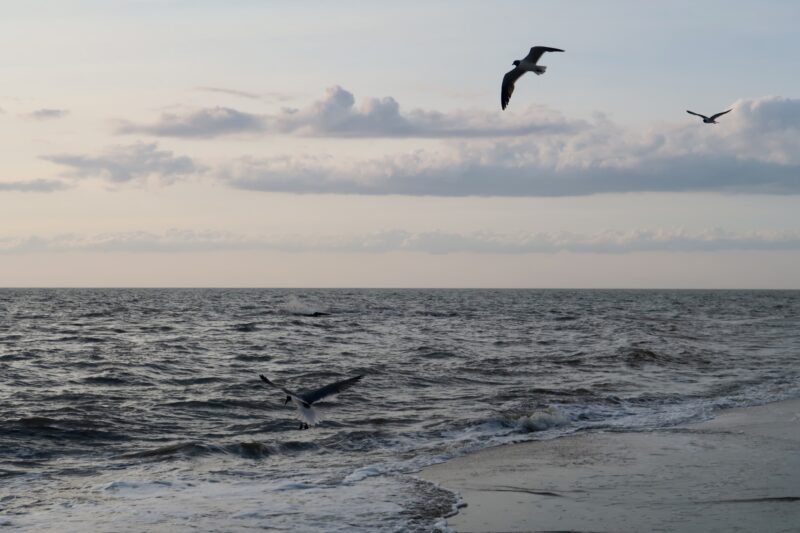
(47, 114)
(39, 185)
(713, 240)
(475, 176)
(336, 115)
(204, 123)
(120, 164)
(753, 152)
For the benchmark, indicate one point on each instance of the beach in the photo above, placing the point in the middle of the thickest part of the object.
(737, 472)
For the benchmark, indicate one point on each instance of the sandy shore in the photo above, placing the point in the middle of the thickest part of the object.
(738, 472)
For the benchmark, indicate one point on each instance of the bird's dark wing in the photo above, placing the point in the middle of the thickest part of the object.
(537, 51)
(720, 114)
(268, 382)
(696, 114)
(508, 85)
(330, 390)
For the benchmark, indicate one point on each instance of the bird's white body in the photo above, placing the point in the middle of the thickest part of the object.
(306, 413)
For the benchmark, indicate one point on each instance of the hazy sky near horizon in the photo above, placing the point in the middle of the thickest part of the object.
(277, 143)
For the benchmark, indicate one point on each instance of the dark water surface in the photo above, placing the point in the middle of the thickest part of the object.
(134, 410)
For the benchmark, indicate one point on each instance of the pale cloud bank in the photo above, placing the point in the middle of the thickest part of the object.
(122, 164)
(232, 92)
(337, 115)
(433, 242)
(39, 185)
(757, 150)
(48, 114)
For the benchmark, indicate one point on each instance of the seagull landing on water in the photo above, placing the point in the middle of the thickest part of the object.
(527, 64)
(304, 402)
(709, 120)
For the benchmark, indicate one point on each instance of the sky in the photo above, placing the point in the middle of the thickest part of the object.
(243, 143)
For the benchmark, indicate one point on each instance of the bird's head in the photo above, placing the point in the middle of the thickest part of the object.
(287, 400)
(515, 63)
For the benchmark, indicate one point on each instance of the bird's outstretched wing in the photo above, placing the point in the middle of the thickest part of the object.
(330, 390)
(537, 51)
(268, 382)
(697, 114)
(713, 117)
(508, 85)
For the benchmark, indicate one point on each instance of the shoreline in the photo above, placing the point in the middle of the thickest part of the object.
(739, 471)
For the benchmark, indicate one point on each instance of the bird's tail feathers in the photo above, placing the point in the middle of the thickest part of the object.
(539, 69)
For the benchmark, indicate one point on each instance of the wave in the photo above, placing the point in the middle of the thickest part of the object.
(71, 429)
(247, 450)
(428, 352)
(80, 338)
(252, 357)
(4, 472)
(106, 380)
(538, 420)
(636, 357)
(245, 327)
(295, 306)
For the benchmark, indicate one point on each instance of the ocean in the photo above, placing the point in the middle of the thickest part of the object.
(132, 410)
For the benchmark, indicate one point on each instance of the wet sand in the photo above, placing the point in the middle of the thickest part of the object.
(738, 472)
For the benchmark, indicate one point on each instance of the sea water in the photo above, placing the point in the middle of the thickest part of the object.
(141, 410)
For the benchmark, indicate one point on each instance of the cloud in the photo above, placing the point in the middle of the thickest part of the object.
(39, 185)
(480, 174)
(435, 242)
(47, 114)
(233, 92)
(756, 151)
(336, 115)
(204, 123)
(121, 164)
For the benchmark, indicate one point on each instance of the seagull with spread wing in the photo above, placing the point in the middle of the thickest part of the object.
(709, 120)
(527, 64)
(304, 401)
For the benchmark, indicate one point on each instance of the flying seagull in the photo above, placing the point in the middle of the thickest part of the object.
(304, 401)
(527, 64)
(709, 120)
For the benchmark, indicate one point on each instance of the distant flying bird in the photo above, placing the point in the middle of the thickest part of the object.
(304, 401)
(709, 120)
(528, 64)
